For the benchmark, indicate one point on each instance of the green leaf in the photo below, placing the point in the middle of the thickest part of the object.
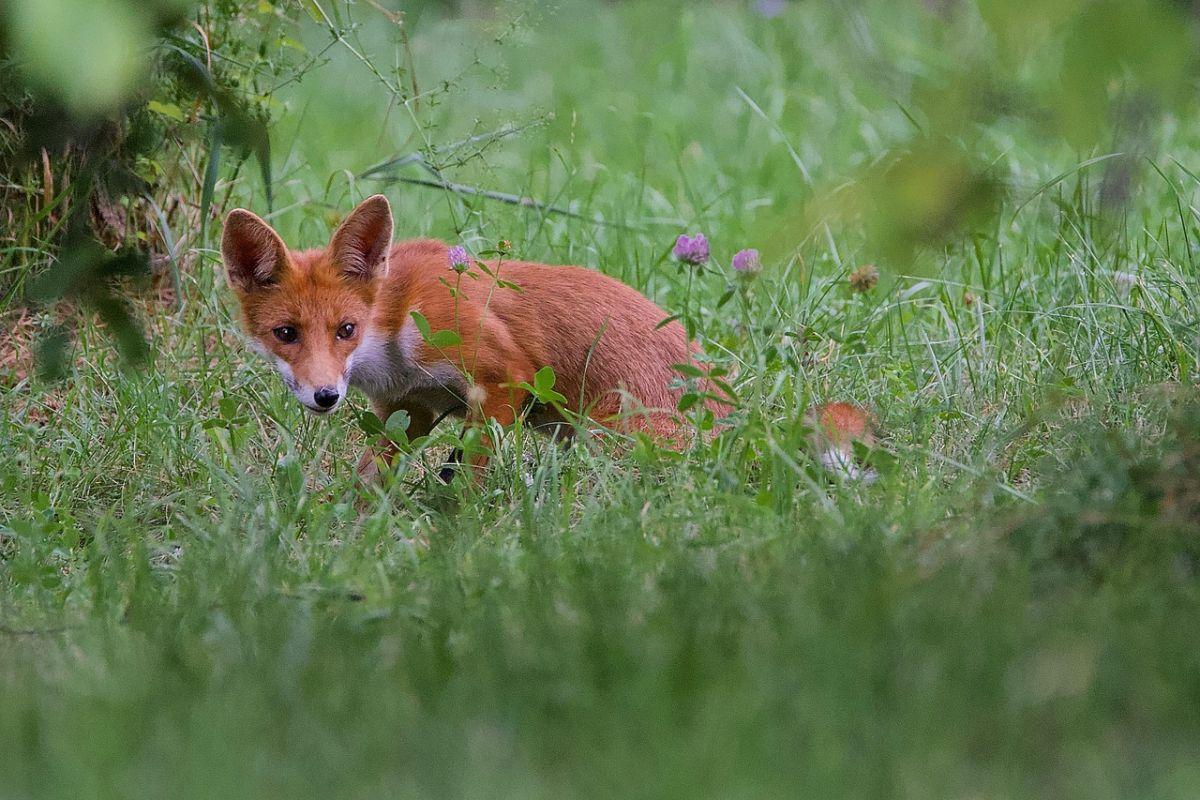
(210, 172)
(667, 321)
(168, 110)
(543, 379)
(228, 406)
(116, 314)
(542, 387)
(398, 421)
(688, 400)
(690, 370)
(730, 394)
(880, 460)
(396, 427)
(370, 424)
(263, 153)
(52, 353)
(443, 339)
(422, 324)
(315, 12)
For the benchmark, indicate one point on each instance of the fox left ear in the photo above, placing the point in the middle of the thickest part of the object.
(253, 253)
(360, 244)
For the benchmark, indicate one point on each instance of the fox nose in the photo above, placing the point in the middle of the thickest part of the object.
(326, 396)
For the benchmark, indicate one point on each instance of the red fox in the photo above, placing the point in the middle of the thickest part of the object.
(836, 427)
(350, 315)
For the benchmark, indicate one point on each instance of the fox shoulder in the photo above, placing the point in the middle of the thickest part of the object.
(432, 254)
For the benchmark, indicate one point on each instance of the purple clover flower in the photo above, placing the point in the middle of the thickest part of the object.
(770, 9)
(747, 263)
(460, 259)
(691, 249)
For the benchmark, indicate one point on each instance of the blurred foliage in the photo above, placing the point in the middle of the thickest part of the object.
(1124, 510)
(1118, 68)
(94, 96)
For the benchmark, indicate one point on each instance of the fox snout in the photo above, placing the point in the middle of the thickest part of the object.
(326, 397)
(320, 398)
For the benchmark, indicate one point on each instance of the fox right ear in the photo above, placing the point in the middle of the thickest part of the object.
(254, 254)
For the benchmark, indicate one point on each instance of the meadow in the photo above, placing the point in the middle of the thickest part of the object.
(198, 599)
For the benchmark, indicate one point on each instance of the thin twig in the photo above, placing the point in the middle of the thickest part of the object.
(488, 138)
(505, 197)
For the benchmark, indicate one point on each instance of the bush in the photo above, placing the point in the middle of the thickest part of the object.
(90, 186)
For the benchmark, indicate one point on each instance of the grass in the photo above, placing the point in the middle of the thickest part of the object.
(197, 601)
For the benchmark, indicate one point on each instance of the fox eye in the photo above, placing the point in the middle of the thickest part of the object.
(346, 331)
(286, 334)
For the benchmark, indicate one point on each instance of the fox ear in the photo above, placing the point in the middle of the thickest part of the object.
(253, 252)
(360, 244)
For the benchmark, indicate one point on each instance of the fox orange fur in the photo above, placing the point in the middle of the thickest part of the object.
(343, 316)
(836, 428)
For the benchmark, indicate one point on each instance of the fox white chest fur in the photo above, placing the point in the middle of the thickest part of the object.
(387, 369)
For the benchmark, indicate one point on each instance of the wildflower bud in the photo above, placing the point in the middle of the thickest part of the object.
(460, 259)
(504, 246)
(770, 9)
(476, 395)
(746, 263)
(691, 250)
(968, 299)
(864, 278)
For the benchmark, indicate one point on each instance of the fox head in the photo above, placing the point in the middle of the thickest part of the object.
(308, 310)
